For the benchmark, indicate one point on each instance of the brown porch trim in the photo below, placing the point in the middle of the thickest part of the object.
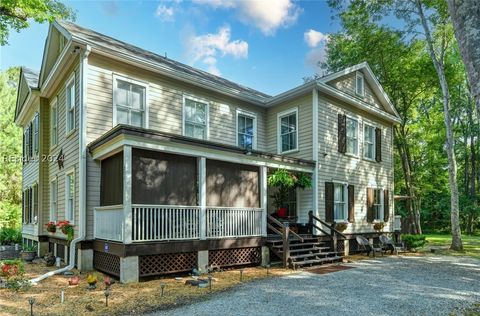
(152, 248)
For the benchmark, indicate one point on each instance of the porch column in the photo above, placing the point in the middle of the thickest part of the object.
(202, 196)
(127, 195)
(263, 198)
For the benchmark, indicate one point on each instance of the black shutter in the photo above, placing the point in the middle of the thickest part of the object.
(386, 205)
(370, 205)
(30, 140)
(342, 133)
(351, 204)
(378, 144)
(329, 202)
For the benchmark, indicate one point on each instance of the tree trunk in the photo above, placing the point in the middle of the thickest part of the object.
(465, 16)
(452, 163)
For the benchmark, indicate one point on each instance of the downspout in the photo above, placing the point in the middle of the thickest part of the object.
(82, 170)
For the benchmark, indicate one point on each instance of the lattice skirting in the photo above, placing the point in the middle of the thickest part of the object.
(234, 257)
(341, 246)
(167, 263)
(353, 246)
(107, 263)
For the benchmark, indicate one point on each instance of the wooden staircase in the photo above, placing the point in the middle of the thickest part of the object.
(303, 250)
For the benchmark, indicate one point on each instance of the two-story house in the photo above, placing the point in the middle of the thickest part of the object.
(162, 167)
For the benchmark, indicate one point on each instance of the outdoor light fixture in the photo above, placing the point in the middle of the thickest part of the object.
(162, 286)
(62, 296)
(210, 282)
(31, 301)
(241, 275)
(268, 268)
(107, 294)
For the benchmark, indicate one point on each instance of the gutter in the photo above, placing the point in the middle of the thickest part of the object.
(82, 152)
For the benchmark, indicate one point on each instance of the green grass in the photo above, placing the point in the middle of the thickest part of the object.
(471, 245)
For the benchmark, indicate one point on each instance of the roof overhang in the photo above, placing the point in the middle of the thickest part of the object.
(113, 141)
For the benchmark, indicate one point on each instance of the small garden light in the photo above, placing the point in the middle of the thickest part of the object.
(210, 282)
(62, 296)
(162, 287)
(268, 268)
(107, 294)
(241, 275)
(31, 301)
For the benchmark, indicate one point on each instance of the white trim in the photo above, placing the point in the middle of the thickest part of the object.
(345, 205)
(207, 110)
(251, 115)
(382, 205)
(356, 119)
(281, 115)
(53, 217)
(202, 196)
(359, 75)
(127, 194)
(69, 172)
(71, 80)
(365, 124)
(125, 78)
(264, 198)
(315, 150)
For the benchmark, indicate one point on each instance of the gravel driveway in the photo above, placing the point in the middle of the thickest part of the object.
(432, 285)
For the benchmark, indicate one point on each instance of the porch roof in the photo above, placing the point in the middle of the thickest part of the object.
(120, 135)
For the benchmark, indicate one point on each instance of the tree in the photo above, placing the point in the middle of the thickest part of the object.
(16, 14)
(466, 20)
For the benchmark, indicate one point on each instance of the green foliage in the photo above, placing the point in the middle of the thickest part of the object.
(17, 14)
(10, 236)
(284, 181)
(10, 214)
(414, 242)
(28, 248)
(13, 271)
(281, 178)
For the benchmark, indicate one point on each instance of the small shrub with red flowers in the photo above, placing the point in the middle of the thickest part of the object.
(51, 227)
(67, 229)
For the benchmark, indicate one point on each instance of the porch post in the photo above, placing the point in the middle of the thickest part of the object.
(263, 197)
(127, 195)
(202, 196)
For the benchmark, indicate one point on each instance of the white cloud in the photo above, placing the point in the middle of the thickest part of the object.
(316, 56)
(267, 15)
(208, 47)
(164, 13)
(313, 38)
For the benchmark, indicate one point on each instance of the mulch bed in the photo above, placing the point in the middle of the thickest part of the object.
(328, 269)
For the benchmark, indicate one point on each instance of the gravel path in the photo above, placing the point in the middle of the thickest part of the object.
(432, 285)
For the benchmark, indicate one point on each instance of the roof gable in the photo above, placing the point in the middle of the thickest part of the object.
(54, 45)
(28, 81)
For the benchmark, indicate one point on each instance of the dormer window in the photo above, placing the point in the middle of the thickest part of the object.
(359, 84)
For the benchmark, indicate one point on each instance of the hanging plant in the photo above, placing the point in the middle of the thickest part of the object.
(284, 181)
(51, 227)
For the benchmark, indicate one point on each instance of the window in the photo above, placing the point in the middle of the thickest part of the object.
(129, 100)
(288, 130)
(34, 213)
(339, 201)
(26, 143)
(359, 84)
(70, 104)
(246, 130)
(54, 124)
(378, 204)
(35, 133)
(369, 142)
(26, 206)
(352, 136)
(195, 118)
(70, 195)
(53, 200)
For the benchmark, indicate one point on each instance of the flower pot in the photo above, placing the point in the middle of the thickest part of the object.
(28, 256)
(282, 212)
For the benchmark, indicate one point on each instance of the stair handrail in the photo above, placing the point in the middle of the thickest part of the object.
(331, 227)
(282, 225)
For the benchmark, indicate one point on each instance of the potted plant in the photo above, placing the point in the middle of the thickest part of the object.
(51, 227)
(29, 252)
(378, 226)
(341, 227)
(284, 181)
(67, 229)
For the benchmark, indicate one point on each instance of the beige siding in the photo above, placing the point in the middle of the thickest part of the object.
(304, 105)
(334, 166)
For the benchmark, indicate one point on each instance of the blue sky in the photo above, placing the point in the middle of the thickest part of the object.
(268, 45)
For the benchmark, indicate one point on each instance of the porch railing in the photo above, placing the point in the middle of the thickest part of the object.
(233, 222)
(108, 222)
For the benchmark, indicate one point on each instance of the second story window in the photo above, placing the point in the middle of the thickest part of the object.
(35, 133)
(246, 130)
(53, 123)
(129, 100)
(70, 104)
(369, 142)
(352, 136)
(195, 118)
(288, 130)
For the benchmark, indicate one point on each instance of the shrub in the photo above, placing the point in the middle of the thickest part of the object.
(10, 236)
(413, 242)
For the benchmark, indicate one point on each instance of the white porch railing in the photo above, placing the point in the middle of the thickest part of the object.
(233, 222)
(165, 222)
(108, 222)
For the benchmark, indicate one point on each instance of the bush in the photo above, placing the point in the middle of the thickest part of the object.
(10, 236)
(413, 242)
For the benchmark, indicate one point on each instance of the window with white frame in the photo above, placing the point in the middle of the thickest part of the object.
(340, 199)
(352, 136)
(53, 200)
(35, 133)
(378, 204)
(369, 141)
(34, 217)
(130, 100)
(70, 195)
(53, 123)
(70, 104)
(195, 118)
(288, 130)
(359, 84)
(246, 130)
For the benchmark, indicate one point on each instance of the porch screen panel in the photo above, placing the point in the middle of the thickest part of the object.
(111, 180)
(232, 185)
(163, 179)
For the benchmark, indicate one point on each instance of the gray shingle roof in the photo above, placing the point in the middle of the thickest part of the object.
(95, 38)
(31, 76)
